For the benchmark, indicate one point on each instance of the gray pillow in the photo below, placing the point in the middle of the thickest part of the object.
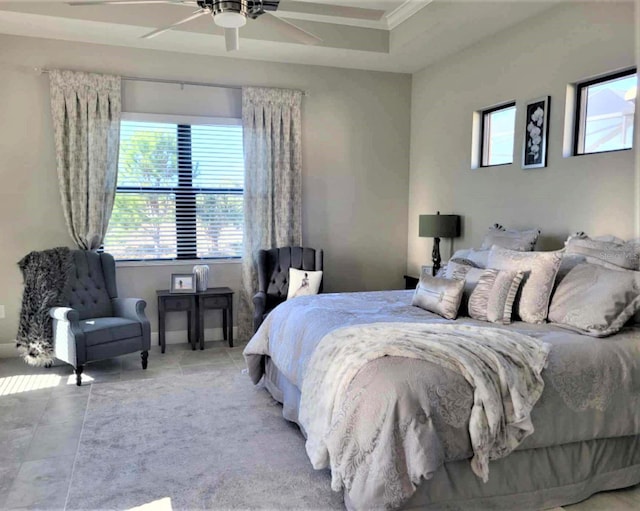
(540, 270)
(523, 241)
(441, 296)
(493, 297)
(610, 254)
(595, 300)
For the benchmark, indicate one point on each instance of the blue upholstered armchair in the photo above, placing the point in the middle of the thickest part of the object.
(97, 324)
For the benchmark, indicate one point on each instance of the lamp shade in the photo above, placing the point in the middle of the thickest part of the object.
(439, 226)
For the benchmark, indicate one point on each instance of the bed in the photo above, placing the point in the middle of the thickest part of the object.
(575, 450)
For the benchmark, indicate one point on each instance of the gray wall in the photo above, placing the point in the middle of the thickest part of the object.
(355, 159)
(594, 193)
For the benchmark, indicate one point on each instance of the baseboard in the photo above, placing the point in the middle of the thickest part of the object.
(8, 349)
(180, 336)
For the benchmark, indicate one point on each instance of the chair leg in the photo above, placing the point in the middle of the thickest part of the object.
(79, 370)
(145, 357)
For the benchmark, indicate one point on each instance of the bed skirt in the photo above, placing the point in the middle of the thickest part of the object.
(531, 479)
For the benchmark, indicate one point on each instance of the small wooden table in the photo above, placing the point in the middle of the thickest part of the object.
(174, 302)
(195, 304)
(410, 282)
(212, 299)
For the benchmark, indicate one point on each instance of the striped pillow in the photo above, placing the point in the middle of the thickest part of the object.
(493, 297)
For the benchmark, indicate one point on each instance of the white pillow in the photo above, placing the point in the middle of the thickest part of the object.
(540, 269)
(523, 241)
(478, 257)
(303, 283)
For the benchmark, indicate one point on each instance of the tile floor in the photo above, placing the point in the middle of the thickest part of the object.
(42, 412)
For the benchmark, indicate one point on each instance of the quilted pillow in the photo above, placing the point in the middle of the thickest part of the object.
(540, 270)
(595, 300)
(493, 297)
(441, 296)
(523, 241)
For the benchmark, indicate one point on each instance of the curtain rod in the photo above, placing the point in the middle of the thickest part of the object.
(182, 83)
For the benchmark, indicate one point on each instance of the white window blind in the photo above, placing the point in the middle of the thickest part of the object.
(180, 191)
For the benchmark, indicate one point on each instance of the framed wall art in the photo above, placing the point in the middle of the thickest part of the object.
(534, 153)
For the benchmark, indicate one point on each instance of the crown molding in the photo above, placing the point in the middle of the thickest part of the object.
(404, 12)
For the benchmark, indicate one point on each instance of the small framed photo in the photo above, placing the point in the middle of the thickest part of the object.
(534, 151)
(183, 283)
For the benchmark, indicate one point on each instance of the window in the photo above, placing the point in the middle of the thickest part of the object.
(604, 113)
(180, 189)
(498, 133)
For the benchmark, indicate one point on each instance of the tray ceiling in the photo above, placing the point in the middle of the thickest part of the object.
(409, 36)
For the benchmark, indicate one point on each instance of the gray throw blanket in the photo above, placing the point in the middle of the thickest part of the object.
(46, 275)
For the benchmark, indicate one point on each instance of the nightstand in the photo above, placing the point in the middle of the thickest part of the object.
(172, 302)
(216, 298)
(410, 282)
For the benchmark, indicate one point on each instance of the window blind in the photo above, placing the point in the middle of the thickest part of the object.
(179, 192)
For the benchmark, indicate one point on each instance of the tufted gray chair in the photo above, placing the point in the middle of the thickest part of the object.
(97, 324)
(273, 275)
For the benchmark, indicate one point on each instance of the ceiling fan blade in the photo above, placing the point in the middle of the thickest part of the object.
(339, 11)
(134, 2)
(288, 29)
(158, 31)
(232, 39)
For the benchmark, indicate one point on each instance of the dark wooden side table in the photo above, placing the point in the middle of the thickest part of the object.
(213, 299)
(173, 302)
(410, 282)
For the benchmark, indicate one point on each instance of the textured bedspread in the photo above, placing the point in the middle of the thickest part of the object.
(587, 382)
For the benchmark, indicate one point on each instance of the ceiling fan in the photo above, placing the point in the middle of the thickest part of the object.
(231, 15)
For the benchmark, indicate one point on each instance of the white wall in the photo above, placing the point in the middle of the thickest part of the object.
(594, 193)
(355, 159)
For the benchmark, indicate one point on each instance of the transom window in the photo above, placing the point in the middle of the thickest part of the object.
(605, 112)
(180, 189)
(498, 135)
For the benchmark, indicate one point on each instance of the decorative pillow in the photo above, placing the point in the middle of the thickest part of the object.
(595, 300)
(523, 241)
(458, 266)
(441, 296)
(493, 296)
(477, 257)
(461, 253)
(471, 275)
(608, 251)
(303, 282)
(540, 270)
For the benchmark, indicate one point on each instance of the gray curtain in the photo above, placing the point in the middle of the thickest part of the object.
(271, 122)
(86, 125)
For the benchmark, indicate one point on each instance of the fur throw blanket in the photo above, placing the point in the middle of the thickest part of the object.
(46, 275)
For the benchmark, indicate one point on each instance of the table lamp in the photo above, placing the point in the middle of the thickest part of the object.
(438, 226)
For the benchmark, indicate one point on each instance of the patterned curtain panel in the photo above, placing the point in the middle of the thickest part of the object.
(271, 122)
(86, 126)
(636, 128)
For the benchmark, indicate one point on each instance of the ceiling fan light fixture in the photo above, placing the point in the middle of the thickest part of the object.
(229, 19)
